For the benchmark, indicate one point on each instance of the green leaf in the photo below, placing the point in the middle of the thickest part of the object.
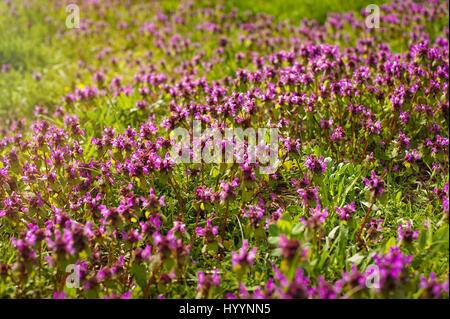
(212, 247)
(140, 274)
(422, 239)
(356, 259)
(390, 243)
(273, 230)
(349, 188)
(298, 228)
(332, 233)
(273, 240)
(441, 234)
(342, 239)
(246, 196)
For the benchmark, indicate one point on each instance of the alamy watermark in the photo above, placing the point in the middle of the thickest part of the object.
(73, 279)
(373, 18)
(229, 145)
(73, 17)
(373, 277)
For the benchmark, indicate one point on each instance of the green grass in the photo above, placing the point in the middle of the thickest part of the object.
(30, 45)
(296, 10)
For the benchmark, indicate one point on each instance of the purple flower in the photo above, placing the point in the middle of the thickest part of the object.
(376, 185)
(206, 282)
(81, 234)
(11, 206)
(326, 124)
(133, 236)
(354, 278)
(24, 251)
(301, 183)
(152, 225)
(291, 145)
(338, 134)
(204, 194)
(373, 127)
(209, 231)
(166, 244)
(228, 190)
(266, 293)
(112, 216)
(315, 165)
(404, 117)
(276, 215)
(445, 199)
(143, 254)
(406, 233)
(433, 289)
(309, 195)
(374, 226)
(105, 274)
(325, 290)
(346, 212)
(152, 201)
(403, 140)
(62, 245)
(248, 173)
(59, 295)
(317, 218)
(244, 257)
(295, 289)
(412, 157)
(254, 214)
(178, 226)
(391, 268)
(289, 247)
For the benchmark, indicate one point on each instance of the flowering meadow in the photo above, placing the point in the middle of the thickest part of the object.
(95, 204)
